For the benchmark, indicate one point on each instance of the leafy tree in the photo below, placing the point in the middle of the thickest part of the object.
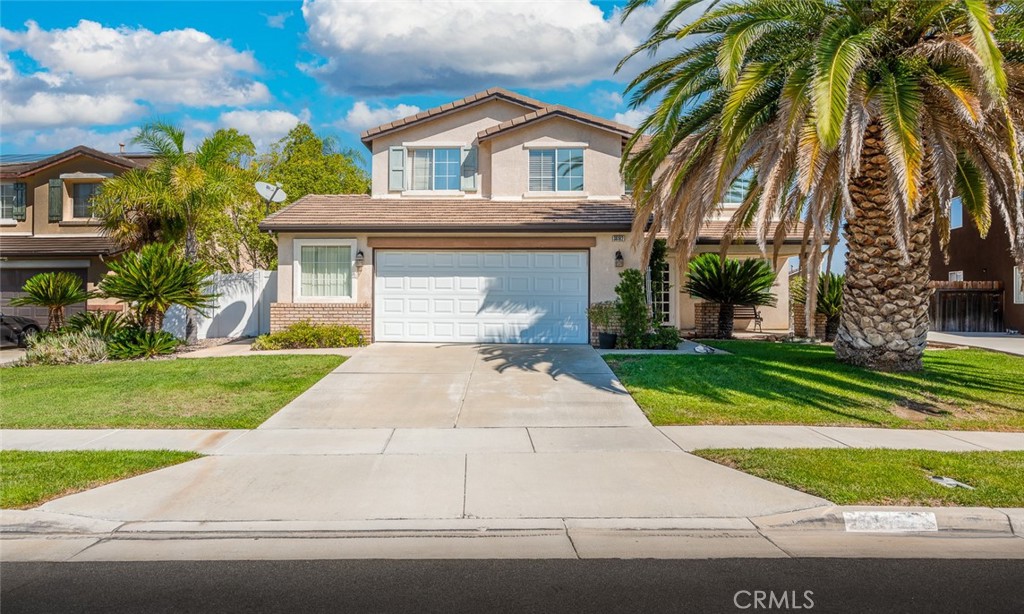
(181, 189)
(154, 278)
(873, 114)
(304, 163)
(634, 313)
(728, 283)
(55, 291)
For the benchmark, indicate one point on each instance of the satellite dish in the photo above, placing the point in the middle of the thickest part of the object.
(272, 193)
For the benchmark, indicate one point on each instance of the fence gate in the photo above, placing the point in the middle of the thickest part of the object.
(242, 308)
(967, 307)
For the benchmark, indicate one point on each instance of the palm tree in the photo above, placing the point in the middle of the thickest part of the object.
(864, 116)
(170, 198)
(730, 282)
(154, 278)
(55, 291)
(829, 303)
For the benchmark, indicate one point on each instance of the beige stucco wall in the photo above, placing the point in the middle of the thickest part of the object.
(510, 159)
(460, 127)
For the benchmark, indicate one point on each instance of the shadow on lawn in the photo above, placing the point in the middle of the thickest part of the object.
(811, 376)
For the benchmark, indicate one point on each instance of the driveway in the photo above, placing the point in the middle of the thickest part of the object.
(999, 342)
(402, 385)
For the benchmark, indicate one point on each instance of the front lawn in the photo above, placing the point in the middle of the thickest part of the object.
(780, 383)
(28, 479)
(201, 393)
(886, 477)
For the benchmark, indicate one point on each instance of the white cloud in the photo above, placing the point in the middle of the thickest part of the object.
(362, 116)
(632, 117)
(121, 72)
(606, 99)
(264, 127)
(60, 139)
(401, 47)
(277, 21)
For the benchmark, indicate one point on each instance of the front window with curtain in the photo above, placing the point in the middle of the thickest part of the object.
(83, 193)
(556, 170)
(436, 169)
(325, 271)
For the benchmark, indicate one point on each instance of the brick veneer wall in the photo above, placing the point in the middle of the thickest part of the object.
(360, 315)
(800, 323)
(706, 316)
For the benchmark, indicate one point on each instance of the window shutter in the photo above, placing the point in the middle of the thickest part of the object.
(56, 200)
(396, 169)
(469, 167)
(19, 202)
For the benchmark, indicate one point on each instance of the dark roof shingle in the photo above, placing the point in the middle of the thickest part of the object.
(58, 246)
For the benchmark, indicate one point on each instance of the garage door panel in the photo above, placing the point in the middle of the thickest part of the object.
(508, 296)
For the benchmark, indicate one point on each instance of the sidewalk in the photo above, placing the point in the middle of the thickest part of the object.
(243, 347)
(502, 440)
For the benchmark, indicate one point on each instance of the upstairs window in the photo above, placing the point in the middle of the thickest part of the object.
(738, 190)
(435, 169)
(83, 193)
(7, 199)
(556, 170)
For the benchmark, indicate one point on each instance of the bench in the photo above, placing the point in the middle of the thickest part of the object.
(748, 312)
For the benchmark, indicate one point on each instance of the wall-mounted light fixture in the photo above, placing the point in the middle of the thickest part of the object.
(619, 260)
(360, 259)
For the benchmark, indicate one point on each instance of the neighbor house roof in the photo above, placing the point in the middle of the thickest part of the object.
(24, 169)
(712, 232)
(551, 112)
(58, 246)
(475, 99)
(361, 213)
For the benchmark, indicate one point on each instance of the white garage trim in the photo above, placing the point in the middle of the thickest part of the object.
(481, 296)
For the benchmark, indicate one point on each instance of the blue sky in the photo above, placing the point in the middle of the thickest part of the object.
(91, 72)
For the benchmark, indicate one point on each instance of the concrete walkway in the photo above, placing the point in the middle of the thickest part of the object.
(998, 342)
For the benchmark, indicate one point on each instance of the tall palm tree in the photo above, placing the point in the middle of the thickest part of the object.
(170, 198)
(864, 116)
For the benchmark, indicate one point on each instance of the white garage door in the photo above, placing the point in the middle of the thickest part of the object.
(481, 296)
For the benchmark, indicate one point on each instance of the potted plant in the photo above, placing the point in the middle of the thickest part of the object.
(602, 315)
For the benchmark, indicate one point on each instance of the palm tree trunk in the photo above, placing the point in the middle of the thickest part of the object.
(55, 321)
(726, 311)
(884, 322)
(191, 317)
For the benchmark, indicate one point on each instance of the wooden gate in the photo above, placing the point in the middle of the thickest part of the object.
(967, 306)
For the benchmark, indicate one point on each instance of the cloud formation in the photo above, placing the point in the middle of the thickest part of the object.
(264, 127)
(92, 74)
(362, 116)
(404, 47)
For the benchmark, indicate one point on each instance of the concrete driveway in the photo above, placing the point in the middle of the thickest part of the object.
(999, 342)
(402, 385)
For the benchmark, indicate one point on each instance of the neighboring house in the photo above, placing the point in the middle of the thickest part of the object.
(45, 223)
(494, 218)
(979, 290)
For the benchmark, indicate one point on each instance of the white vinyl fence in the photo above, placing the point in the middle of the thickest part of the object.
(242, 308)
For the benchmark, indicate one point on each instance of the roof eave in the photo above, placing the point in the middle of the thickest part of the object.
(401, 228)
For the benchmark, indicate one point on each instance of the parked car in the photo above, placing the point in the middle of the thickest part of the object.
(17, 329)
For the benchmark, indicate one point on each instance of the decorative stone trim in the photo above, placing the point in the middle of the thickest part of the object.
(360, 315)
(706, 316)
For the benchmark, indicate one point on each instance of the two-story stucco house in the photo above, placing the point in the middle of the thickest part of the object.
(494, 218)
(46, 223)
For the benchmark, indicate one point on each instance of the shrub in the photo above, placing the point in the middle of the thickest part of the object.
(55, 291)
(104, 324)
(829, 303)
(730, 282)
(662, 338)
(307, 335)
(603, 315)
(65, 348)
(135, 342)
(634, 315)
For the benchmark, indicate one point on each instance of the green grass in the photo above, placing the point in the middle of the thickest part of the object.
(886, 477)
(202, 393)
(30, 478)
(779, 383)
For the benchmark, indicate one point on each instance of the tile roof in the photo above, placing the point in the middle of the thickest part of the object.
(357, 212)
(479, 97)
(712, 232)
(58, 246)
(555, 111)
(24, 169)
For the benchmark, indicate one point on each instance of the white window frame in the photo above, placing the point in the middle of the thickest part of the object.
(433, 189)
(955, 276)
(10, 218)
(555, 148)
(297, 245)
(1018, 287)
(71, 196)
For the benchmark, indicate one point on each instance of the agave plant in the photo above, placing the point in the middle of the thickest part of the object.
(55, 291)
(154, 278)
(104, 324)
(728, 283)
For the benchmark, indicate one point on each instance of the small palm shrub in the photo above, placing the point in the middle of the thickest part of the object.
(634, 313)
(830, 300)
(65, 348)
(55, 291)
(134, 342)
(154, 278)
(105, 324)
(307, 335)
(728, 283)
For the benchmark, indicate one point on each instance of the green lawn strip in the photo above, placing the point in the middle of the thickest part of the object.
(202, 393)
(29, 478)
(886, 477)
(779, 383)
